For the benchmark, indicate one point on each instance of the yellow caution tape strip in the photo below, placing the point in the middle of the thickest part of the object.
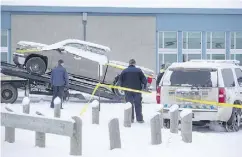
(84, 109)
(210, 103)
(122, 68)
(27, 50)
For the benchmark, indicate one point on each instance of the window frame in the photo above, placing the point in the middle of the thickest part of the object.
(234, 50)
(168, 50)
(210, 50)
(4, 49)
(187, 50)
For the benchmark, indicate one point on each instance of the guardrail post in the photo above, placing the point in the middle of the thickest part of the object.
(40, 136)
(155, 123)
(160, 111)
(57, 107)
(174, 118)
(9, 131)
(95, 112)
(186, 125)
(76, 139)
(114, 134)
(26, 105)
(127, 114)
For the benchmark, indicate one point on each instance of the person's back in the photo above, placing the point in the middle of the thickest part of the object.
(59, 76)
(133, 77)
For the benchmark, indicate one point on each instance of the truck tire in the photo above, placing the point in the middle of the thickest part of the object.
(9, 93)
(234, 123)
(117, 92)
(36, 65)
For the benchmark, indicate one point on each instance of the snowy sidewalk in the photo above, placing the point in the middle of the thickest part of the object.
(135, 140)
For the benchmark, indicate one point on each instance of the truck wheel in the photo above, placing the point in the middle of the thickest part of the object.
(9, 93)
(233, 124)
(118, 92)
(36, 65)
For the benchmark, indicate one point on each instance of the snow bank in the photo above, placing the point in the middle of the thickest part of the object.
(173, 108)
(185, 112)
(127, 105)
(26, 101)
(57, 101)
(95, 103)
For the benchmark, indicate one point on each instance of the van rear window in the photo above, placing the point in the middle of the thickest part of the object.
(197, 78)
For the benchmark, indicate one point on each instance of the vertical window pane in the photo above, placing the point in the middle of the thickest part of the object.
(194, 40)
(170, 40)
(194, 56)
(184, 34)
(4, 56)
(208, 40)
(228, 78)
(160, 60)
(239, 58)
(232, 40)
(232, 56)
(238, 40)
(170, 58)
(218, 40)
(218, 57)
(160, 36)
(4, 38)
(208, 56)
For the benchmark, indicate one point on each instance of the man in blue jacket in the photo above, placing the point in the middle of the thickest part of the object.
(134, 78)
(59, 80)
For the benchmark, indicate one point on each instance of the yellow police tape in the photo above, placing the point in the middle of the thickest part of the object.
(210, 102)
(109, 86)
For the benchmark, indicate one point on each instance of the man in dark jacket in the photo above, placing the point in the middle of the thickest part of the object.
(133, 78)
(59, 80)
(160, 75)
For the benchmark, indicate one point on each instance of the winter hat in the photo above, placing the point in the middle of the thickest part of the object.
(132, 62)
(60, 61)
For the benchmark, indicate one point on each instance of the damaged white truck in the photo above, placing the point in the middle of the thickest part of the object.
(210, 80)
(81, 59)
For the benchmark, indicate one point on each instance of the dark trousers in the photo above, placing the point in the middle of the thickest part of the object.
(58, 91)
(135, 99)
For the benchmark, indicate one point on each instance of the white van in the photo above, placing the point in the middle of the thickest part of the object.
(210, 80)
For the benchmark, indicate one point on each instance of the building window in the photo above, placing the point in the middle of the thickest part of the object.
(215, 40)
(216, 56)
(4, 45)
(236, 40)
(236, 57)
(168, 40)
(192, 40)
(167, 58)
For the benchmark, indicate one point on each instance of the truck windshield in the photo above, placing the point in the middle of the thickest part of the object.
(194, 77)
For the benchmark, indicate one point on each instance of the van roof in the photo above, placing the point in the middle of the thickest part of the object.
(207, 65)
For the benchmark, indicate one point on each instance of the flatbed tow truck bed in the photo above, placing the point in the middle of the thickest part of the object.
(40, 84)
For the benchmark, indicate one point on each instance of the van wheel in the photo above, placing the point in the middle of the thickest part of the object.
(9, 93)
(36, 65)
(233, 124)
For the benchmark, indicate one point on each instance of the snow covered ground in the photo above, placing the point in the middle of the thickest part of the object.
(135, 140)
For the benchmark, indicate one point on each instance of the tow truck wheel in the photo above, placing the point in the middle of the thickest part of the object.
(36, 65)
(233, 124)
(9, 93)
